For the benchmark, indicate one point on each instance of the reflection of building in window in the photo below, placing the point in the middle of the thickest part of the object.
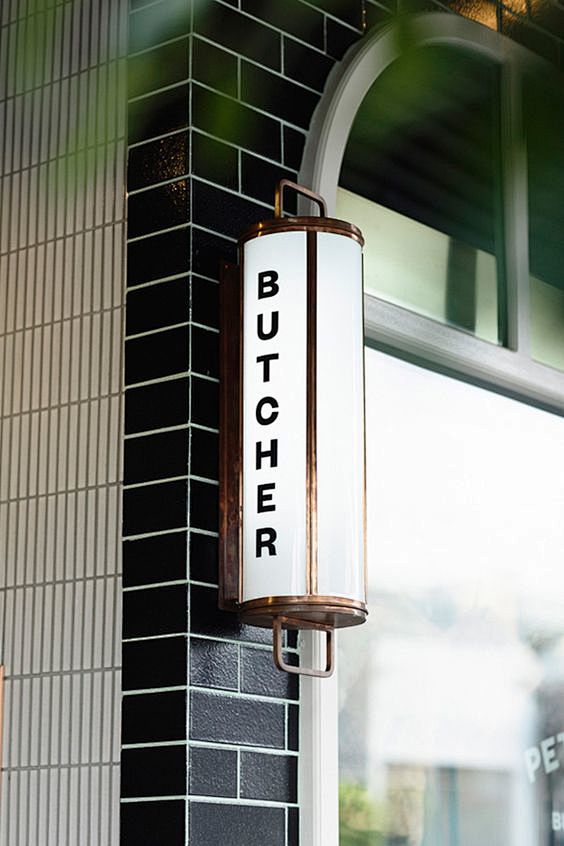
(458, 671)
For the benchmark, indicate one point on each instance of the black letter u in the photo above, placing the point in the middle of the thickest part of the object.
(262, 333)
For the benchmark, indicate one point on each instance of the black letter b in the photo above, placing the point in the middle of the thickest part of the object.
(267, 286)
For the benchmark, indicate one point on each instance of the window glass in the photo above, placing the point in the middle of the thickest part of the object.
(544, 115)
(451, 696)
(420, 174)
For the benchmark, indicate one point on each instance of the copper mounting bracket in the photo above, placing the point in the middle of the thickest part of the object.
(277, 624)
(299, 189)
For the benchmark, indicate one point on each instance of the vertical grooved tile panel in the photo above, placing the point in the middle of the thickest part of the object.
(62, 249)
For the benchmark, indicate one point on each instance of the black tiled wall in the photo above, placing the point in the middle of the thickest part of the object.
(221, 97)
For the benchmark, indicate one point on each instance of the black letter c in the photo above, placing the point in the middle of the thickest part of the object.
(264, 421)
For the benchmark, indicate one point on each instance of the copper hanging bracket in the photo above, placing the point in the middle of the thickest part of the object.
(277, 624)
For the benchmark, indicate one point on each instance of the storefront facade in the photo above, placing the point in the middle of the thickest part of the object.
(118, 294)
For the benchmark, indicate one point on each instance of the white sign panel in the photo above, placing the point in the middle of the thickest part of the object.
(274, 416)
(340, 417)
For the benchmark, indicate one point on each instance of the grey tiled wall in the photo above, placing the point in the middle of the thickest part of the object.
(62, 172)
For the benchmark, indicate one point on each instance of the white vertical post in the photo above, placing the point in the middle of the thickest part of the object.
(319, 758)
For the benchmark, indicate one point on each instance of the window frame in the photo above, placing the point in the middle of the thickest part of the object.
(509, 370)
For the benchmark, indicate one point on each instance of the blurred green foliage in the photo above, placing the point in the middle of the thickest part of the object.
(361, 819)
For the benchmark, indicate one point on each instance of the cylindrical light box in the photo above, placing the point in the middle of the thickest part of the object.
(301, 477)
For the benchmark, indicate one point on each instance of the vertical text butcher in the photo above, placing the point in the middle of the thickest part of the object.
(266, 414)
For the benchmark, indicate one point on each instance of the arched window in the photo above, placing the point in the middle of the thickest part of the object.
(443, 142)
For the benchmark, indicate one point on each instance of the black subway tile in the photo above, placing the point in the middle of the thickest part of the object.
(270, 777)
(158, 114)
(259, 178)
(155, 611)
(157, 161)
(157, 306)
(158, 456)
(205, 402)
(158, 256)
(161, 662)
(208, 251)
(205, 302)
(156, 406)
(155, 356)
(260, 676)
(204, 499)
(203, 558)
(224, 212)
(293, 827)
(238, 32)
(377, 16)
(276, 95)
(294, 142)
(205, 615)
(249, 825)
(227, 719)
(214, 67)
(205, 352)
(291, 16)
(160, 22)
(339, 38)
(153, 823)
(158, 208)
(214, 664)
(213, 772)
(215, 161)
(306, 66)
(156, 771)
(154, 508)
(208, 619)
(349, 11)
(160, 558)
(204, 454)
(293, 732)
(157, 68)
(154, 717)
(235, 123)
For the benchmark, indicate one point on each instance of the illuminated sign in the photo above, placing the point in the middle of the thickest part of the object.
(292, 474)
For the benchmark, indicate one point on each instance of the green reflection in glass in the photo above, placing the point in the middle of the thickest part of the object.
(544, 121)
(419, 268)
(420, 175)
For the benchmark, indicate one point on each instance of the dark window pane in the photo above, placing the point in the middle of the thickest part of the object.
(544, 119)
(420, 174)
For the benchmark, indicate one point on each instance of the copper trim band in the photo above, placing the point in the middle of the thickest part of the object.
(303, 599)
(230, 434)
(311, 416)
(306, 611)
(364, 511)
(240, 412)
(303, 224)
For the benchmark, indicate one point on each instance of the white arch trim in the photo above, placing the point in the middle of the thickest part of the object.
(350, 80)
